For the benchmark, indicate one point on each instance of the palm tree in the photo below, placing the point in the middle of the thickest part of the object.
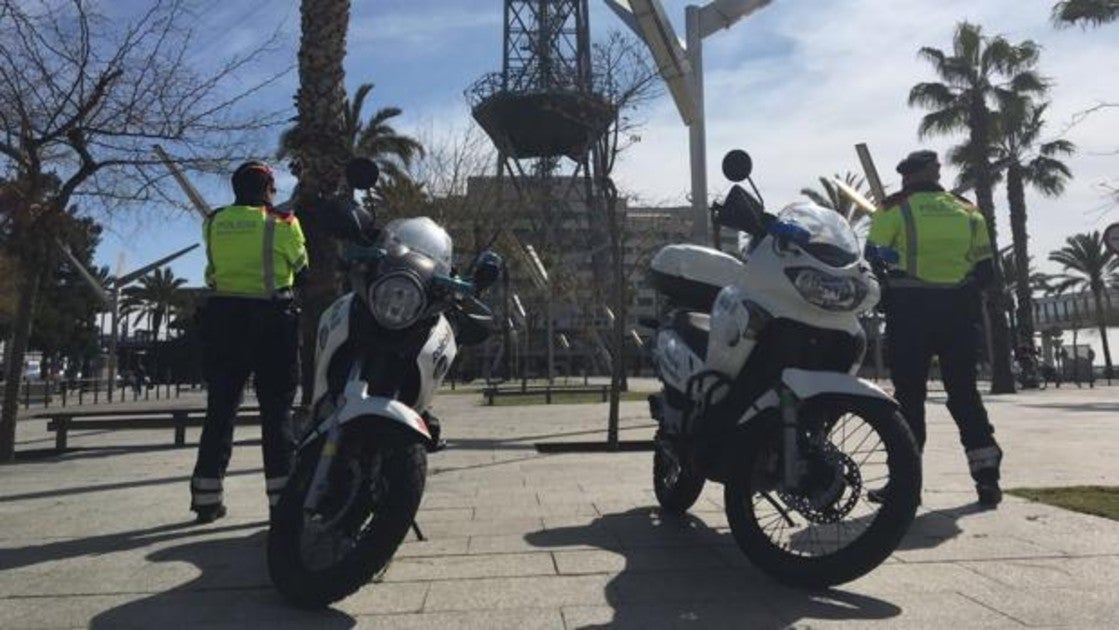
(1019, 124)
(833, 198)
(319, 145)
(979, 73)
(1085, 12)
(1088, 263)
(156, 295)
(375, 139)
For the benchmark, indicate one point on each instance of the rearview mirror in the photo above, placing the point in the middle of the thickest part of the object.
(737, 165)
(361, 173)
(487, 269)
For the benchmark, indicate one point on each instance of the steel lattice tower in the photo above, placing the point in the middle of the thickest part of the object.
(543, 114)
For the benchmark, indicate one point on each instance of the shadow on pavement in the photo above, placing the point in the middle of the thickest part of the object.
(138, 483)
(93, 452)
(14, 558)
(1112, 407)
(936, 527)
(679, 571)
(231, 590)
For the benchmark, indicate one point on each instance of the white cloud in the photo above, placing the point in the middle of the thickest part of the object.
(412, 29)
(843, 75)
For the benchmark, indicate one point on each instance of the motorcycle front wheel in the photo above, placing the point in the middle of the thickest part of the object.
(857, 498)
(676, 481)
(376, 481)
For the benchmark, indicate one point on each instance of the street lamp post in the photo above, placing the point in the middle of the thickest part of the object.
(682, 71)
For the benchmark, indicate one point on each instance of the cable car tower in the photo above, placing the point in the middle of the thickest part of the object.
(543, 114)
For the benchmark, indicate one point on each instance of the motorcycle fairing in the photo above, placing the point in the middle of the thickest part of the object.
(435, 360)
(807, 384)
(333, 331)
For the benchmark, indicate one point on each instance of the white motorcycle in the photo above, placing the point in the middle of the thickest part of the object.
(383, 349)
(758, 361)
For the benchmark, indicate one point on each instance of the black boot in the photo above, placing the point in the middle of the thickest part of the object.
(209, 513)
(987, 487)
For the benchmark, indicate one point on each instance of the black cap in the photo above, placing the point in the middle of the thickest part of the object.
(916, 161)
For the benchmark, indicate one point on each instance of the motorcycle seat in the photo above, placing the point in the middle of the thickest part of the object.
(694, 328)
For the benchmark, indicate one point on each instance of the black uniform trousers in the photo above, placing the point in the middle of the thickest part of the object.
(242, 337)
(926, 322)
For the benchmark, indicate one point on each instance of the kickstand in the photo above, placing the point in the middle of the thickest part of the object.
(416, 528)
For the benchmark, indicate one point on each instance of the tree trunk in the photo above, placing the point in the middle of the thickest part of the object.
(618, 333)
(1016, 199)
(322, 151)
(1002, 379)
(17, 348)
(1101, 321)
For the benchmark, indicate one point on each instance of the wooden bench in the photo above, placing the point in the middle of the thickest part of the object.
(490, 393)
(62, 422)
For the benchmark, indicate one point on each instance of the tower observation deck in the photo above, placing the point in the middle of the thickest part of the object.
(543, 103)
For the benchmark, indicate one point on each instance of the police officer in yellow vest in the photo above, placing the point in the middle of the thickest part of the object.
(249, 326)
(933, 307)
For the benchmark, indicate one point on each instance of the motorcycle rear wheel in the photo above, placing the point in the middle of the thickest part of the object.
(866, 539)
(380, 523)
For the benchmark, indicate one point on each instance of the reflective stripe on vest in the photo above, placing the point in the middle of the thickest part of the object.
(910, 239)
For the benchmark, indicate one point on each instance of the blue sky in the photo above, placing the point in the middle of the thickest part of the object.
(797, 84)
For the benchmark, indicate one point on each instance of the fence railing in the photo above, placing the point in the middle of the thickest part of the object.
(68, 392)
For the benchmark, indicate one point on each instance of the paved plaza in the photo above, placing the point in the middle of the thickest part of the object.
(102, 537)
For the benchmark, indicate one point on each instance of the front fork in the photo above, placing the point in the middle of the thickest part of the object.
(793, 469)
(320, 482)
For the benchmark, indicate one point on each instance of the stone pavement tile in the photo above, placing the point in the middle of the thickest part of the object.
(930, 577)
(480, 527)
(529, 619)
(691, 586)
(841, 608)
(537, 511)
(649, 560)
(576, 538)
(1069, 607)
(1093, 573)
(972, 547)
(172, 609)
(466, 567)
(385, 598)
(523, 592)
(412, 548)
(445, 515)
(652, 617)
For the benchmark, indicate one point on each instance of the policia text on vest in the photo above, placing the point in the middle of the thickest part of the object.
(249, 327)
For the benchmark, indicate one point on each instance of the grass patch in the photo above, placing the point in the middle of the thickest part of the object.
(1096, 500)
(563, 399)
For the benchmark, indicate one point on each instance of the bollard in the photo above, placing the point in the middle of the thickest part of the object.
(63, 395)
(96, 390)
(26, 394)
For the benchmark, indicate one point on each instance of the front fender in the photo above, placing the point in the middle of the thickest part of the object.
(357, 403)
(378, 407)
(809, 384)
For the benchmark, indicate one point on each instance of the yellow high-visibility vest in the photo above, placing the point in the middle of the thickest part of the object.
(252, 251)
(939, 237)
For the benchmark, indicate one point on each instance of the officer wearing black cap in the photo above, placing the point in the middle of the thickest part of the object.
(933, 307)
(249, 326)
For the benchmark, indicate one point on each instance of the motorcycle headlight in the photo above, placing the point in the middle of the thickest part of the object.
(396, 300)
(831, 293)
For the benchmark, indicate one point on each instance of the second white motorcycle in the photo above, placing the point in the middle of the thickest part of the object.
(758, 361)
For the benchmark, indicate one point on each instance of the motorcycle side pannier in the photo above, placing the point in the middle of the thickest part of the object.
(690, 276)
